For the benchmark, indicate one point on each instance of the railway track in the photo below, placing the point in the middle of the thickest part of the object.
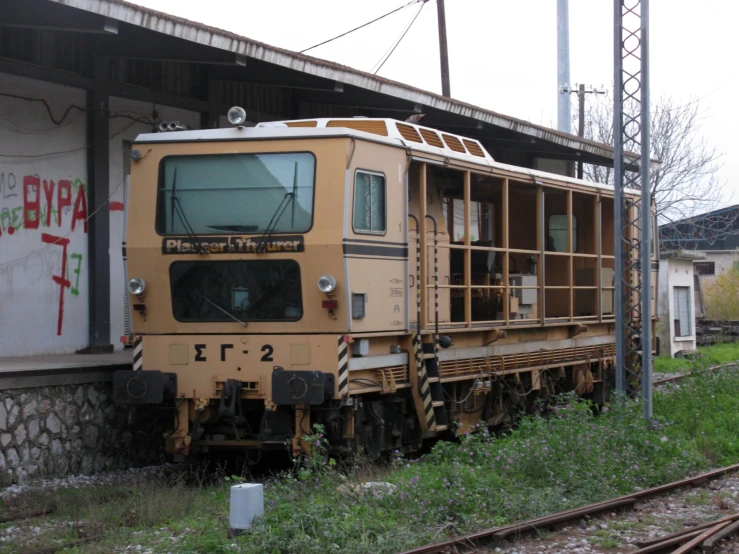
(677, 378)
(709, 533)
(705, 536)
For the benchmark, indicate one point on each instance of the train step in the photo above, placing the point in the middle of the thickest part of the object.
(442, 427)
(437, 403)
(433, 379)
(429, 356)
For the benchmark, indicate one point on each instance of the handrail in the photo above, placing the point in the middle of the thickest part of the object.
(436, 281)
(418, 274)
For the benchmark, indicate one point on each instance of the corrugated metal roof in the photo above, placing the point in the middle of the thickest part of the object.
(231, 42)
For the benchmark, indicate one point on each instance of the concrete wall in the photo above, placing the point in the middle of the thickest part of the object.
(723, 261)
(124, 129)
(43, 211)
(43, 171)
(73, 429)
(674, 272)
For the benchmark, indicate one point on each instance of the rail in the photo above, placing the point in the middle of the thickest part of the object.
(498, 534)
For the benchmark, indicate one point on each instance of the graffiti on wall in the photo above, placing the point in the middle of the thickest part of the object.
(30, 204)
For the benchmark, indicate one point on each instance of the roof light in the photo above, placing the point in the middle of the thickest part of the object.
(237, 115)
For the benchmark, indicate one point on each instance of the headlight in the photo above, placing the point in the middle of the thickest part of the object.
(327, 283)
(137, 286)
(236, 115)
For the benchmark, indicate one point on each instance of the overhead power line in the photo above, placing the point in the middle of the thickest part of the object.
(387, 55)
(362, 26)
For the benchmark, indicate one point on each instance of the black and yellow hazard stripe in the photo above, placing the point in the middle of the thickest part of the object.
(423, 385)
(343, 368)
(138, 354)
(423, 381)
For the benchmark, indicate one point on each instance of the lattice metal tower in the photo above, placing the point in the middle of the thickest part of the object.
(632, 221)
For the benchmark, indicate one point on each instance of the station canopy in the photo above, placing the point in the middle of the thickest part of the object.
(160, 58)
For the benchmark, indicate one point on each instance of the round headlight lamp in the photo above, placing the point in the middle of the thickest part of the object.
(237, 115)
(327, 283)
(137, 286)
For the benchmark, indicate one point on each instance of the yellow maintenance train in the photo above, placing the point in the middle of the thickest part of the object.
(387, 280)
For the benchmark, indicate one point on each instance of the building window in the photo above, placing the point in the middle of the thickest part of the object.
(705, 268)
(682, 318)
(369, 203)
(557, 233)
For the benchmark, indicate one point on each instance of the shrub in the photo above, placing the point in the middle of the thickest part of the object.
(721, 297)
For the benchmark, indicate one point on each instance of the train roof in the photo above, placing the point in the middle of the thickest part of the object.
(411, 136)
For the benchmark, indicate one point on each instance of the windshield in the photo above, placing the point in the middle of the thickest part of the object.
(258, 290)
(235, 194)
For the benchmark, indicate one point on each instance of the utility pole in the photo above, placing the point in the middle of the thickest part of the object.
(581, 91)
(564, 112)
(443, 49)
(632, 219)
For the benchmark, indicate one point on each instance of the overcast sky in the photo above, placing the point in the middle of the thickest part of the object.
(503, 53)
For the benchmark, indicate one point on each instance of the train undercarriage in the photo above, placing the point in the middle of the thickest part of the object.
(374, 424)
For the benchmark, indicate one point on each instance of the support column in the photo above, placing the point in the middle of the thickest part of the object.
(506, 254)
(570, 260)
(98, 191)
(467, 251)
(645, 237)
(296, 104)
(541, 246)
(212, 118)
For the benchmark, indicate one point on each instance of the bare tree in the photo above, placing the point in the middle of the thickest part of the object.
(686, 182)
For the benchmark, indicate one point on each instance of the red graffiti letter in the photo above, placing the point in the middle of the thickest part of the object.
(31, 186)
(80, 208)
(63, 198)
(49, 194)
(59, 279)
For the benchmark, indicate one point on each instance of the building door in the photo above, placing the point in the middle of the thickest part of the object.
(683, 324)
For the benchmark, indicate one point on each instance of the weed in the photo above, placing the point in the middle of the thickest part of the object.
(649, 520)
(701, 498)
(623, 525)
(481, 480)
(608, 542)
(716, 354)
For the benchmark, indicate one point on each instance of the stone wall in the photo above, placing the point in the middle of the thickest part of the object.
(73, 429)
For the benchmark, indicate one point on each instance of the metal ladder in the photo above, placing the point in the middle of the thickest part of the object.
(430, 352)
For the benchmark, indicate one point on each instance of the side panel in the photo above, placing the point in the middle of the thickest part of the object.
(377, 261)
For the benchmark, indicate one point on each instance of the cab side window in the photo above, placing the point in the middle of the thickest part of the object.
(369, 203)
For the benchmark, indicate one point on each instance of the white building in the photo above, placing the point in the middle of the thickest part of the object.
(676, 302)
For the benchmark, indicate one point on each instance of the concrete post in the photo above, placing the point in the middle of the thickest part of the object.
(247, 503)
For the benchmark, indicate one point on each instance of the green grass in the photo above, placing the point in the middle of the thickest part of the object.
(604, 539)
(716, 354)
(546, 465)
(701, 498)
